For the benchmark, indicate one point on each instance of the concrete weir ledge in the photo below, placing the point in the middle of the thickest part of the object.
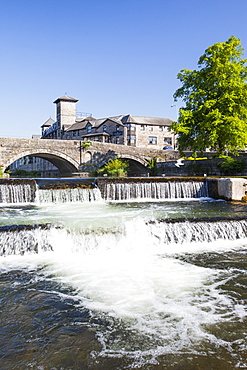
(227, 188)
(218, 188)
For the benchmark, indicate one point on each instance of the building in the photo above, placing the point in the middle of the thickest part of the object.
(30, 163)
(130, 130)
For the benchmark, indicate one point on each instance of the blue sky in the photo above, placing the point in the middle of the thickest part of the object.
(115, 56)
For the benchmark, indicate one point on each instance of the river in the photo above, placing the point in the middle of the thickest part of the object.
(88, 283)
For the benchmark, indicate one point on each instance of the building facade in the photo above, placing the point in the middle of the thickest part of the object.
(30, 163)
(129, 130)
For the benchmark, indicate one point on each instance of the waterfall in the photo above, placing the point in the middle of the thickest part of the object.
(48, 191)
(68, 195)
(179, 232)
(154, 190)
(17, 192)
(21, 239)
(85, 190)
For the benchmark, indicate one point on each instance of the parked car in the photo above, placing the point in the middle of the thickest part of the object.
(168, 147)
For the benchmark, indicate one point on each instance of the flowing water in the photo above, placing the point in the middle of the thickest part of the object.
(147, 284)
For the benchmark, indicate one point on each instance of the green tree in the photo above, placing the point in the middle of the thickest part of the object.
(152, 166)
(116, 168)
(215, 97)
(86, 144)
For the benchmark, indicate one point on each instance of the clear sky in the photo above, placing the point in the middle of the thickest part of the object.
(115, 56)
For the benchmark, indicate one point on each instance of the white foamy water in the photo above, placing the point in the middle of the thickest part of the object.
(129, 278)
(68, 195)
(155, 190)
(144, 298)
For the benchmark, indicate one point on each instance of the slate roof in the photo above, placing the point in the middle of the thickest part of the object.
(141, 120)
(48, 123)
(81, 124)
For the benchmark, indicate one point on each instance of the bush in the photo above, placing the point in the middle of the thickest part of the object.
(114, 168)
(152, 166)
(23, 173)
(231, 166)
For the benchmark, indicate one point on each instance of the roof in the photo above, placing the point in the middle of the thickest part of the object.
(80, 125)
(97, 134)
(65, 98)
(48, 123)
(141, 120)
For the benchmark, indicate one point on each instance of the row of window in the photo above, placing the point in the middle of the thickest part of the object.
(151, 140)
(151, 128)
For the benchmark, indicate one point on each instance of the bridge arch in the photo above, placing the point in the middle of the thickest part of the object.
(63, 162)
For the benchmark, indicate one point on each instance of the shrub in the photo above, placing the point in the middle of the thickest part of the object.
(114, 168)
(231, 166)
(152, 166)
(23, 173)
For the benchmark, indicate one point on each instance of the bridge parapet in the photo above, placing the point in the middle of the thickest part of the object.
(69, 155)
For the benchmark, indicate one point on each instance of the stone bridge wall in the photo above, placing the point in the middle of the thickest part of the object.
(69, 156)
(202, 167)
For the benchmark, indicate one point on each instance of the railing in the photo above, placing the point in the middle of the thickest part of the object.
(83, 114)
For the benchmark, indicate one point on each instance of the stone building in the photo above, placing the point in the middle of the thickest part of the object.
(30, 163)
(129, 130)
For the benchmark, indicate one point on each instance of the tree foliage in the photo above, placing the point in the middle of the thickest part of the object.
(86, 144)
(231, 166)
(114, 168)
(152, 166)
(215, 97)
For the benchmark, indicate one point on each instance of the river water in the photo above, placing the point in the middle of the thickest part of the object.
(147, 284)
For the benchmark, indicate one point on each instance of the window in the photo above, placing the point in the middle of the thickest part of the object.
(130, 127)
(74, 133)
(142, 127)
(104, 128)
(152, 140)
(160, 128)
(168, 140)
(151, 128)
(117, 140)
(117, 127)
(131, 139)
(89, 129)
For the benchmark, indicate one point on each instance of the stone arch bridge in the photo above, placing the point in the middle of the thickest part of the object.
(70, 157)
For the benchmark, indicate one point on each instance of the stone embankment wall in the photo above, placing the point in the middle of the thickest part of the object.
(202, 167)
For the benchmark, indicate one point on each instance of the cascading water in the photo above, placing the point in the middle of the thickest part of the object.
(23, 192)
(68, 195)
(114, 285)
(155, 190)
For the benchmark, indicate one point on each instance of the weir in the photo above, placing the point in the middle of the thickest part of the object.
(199, 230)
(22, 239)
(153, 274)
(111, 189)
(151, 188)
(91, 189)
(30, 239)
(17, 191)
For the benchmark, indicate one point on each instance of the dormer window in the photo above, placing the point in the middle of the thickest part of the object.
(104, 128)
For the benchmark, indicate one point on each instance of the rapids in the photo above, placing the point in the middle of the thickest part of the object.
(87, 283)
